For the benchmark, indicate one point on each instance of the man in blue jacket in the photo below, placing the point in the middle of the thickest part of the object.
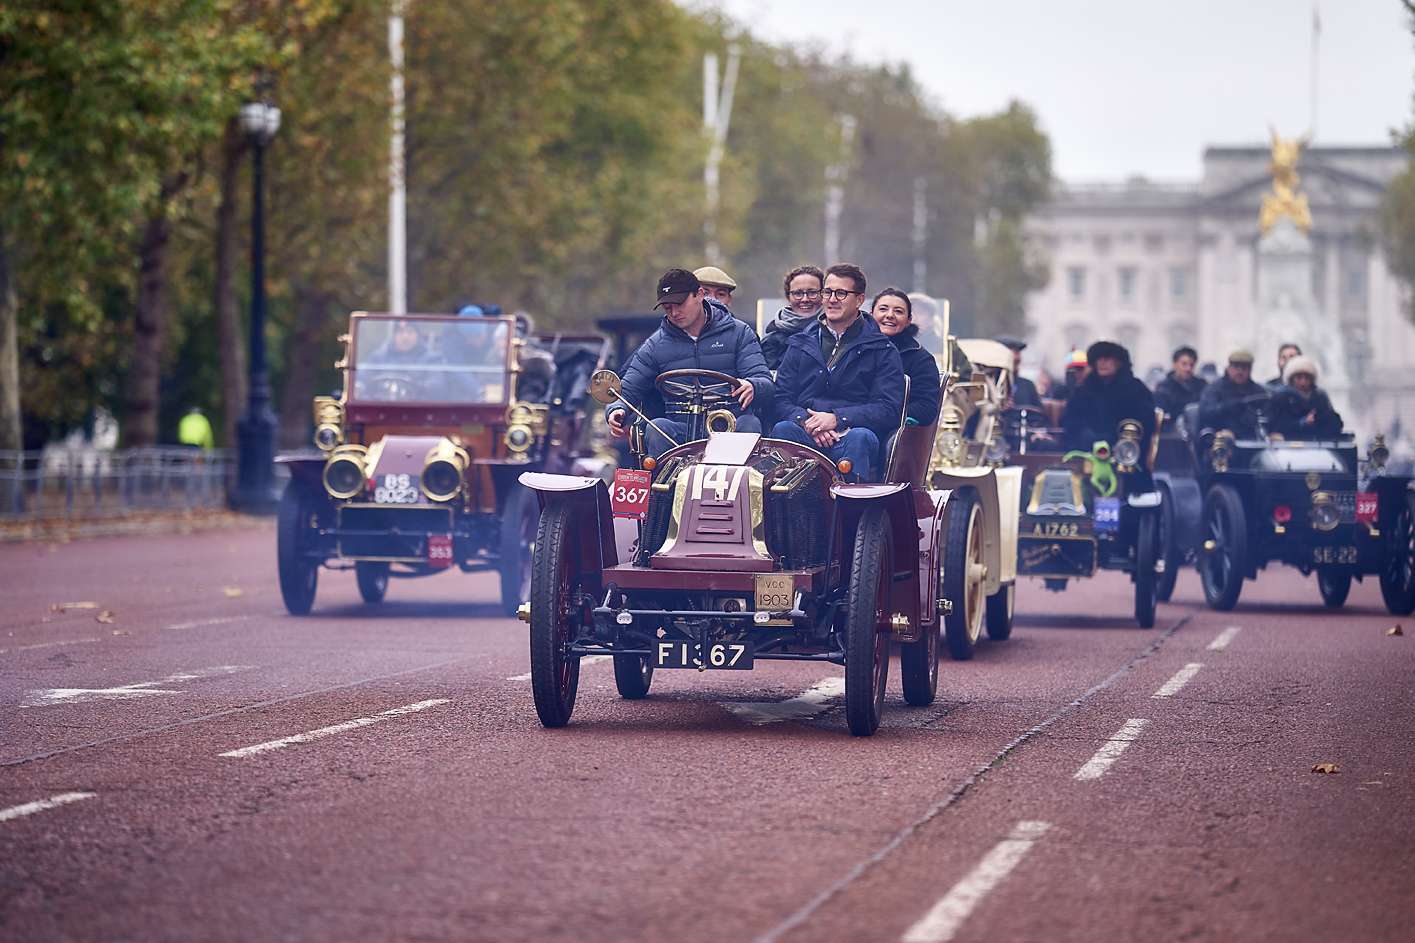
(840, 387)
(697, 333)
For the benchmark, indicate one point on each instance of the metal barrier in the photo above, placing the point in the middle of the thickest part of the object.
(91, 482)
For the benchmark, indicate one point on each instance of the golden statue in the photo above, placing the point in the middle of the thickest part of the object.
(1285, 201)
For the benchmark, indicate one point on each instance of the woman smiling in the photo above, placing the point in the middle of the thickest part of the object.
(894, 314)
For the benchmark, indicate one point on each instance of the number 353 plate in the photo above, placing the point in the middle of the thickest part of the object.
(721, 656)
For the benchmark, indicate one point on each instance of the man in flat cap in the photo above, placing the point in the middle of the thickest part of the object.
(1109, 394)
(1024, 391)
(1232, 401)
(718, 285)
(696, 333)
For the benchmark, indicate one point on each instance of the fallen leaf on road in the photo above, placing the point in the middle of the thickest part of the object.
(107, 617)
(1395, 630)
(121, 632)
(1326, 768)
(233, 592)
(66, 606)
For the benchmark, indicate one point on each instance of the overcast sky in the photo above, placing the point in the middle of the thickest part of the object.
(1129, 87)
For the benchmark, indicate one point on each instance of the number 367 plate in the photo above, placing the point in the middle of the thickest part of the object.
(721, 656)
(629, 495)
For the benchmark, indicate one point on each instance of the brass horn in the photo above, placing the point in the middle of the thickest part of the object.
(721, 420)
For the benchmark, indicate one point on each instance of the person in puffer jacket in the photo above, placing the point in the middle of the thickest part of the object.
(840, 387)
(893, 312)
(803, 305)
(696, 333)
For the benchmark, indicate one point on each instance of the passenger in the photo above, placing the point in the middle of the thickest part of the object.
(1024, 391)
(840, 387)
(932, 334)
(1232, 401)
(1181, 387)
(1109, 394)
(803, 305)
(893, 312)
(1076, 369)
(719, 284)
(697, 332)
(1284, 353)
(1299, 409)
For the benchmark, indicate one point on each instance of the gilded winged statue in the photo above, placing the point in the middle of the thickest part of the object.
(1285, 200)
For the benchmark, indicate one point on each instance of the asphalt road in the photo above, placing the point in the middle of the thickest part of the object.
(1085, 780)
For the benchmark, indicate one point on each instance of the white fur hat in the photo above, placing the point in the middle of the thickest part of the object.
(1299, 364)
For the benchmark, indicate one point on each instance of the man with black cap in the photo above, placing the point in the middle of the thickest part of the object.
(1180, 387)
(1231, 402)
(697, 333)
(1109, 394)
(1024, 391)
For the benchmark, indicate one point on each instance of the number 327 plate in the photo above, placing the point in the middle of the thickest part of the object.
(721, 656)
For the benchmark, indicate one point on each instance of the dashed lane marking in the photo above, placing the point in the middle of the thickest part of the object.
(946, 916)
(53, 802)
(56, 644)
(1181, 678)
(45, 697)
(323, 732)
(1221, 641)
(1110, 751)
(585, 662)
(803, 706)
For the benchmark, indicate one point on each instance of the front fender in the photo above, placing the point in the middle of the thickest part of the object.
(898, 503)
(995, 487)
(592, 520)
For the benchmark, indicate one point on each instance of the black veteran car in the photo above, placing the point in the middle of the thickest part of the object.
(418, 456)
(1240, 504)
(731, 548)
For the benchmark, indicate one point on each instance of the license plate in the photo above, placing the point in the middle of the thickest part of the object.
(396, 489)
(1107, 515)
(721, 656)
(629, 495)
(774, 592)
(439, 550)
(1339, 555)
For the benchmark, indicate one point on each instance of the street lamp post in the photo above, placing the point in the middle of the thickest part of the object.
(255, 433)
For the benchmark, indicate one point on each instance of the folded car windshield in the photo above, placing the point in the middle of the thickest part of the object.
(460, 361)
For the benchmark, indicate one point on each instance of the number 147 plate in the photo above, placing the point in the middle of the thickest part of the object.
(721, 656)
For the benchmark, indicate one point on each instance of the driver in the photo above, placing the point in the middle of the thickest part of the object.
(381, 377)
(1231, 402)
(697, 333)
(1110, 393)
(1300, 410)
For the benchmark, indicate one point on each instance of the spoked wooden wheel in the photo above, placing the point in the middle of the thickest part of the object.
(1223, 559)
(1398, 567)
(964, 574)
(866, 646)
(555, 672)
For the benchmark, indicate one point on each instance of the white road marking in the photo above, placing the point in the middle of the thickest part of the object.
(30, 648)
(585, 662)
(1110, 751)
(946, 916)
(1224, 637)
(801, 707)
(30, 808)
(1181, 678)
(323, 732)
(45, 697)
(202, 623)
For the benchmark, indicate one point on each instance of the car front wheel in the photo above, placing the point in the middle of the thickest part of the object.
(1398, 567)
(373, 580)
(1223, 559)
(866, 647)
(555, 672)
(1146, 547)
(518, 539)
(299, 570)
(1169, 548)
(1334, 585)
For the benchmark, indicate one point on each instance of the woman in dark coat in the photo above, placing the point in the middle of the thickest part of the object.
(894, 314)
(1299, 409)
(1110, 393)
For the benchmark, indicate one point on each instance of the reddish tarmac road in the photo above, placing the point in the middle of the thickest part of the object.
(1085, 780)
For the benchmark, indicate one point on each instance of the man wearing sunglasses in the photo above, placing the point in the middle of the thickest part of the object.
(840, 387)
(803, 305)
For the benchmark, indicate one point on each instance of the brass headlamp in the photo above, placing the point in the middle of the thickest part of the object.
(328, 423)
(1221, 451)
(344, 471)
(1127, 446)
(443, 471)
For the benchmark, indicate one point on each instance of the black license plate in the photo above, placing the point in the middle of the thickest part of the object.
(1348, 556)
(721, 656)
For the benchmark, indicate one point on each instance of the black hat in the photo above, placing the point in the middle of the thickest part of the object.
(675, 285)
(1010, 342)
(1108, 349)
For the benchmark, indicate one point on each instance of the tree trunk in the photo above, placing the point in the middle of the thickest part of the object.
(150, 323)
(229, 330)
(11, 427)
(302, 353)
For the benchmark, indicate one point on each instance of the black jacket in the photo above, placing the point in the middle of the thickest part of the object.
(1095, 410)
(1173, 394)
(922, 370)
(779, 331)
(1233, 406)
(865, 388)
(1024, 393)
(1290, 409)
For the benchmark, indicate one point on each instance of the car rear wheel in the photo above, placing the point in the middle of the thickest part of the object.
(1334, 585)
(373, 580)
(1002, 605)
(632, 676)
(964, 574)
(1146, 551)
(918, 669)
(299, 572)
(1223, 559)
(518, 538)
(555, 672)
(1169, 547)
(1398, 567)
(866, 647)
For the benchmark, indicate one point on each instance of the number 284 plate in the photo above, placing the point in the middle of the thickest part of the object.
(721, 656)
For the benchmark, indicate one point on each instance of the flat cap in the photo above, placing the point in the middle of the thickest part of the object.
(1010, 342)
(712, 275)
(1241, 357)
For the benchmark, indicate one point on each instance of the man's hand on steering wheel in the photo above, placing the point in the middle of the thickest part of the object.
(745, 393)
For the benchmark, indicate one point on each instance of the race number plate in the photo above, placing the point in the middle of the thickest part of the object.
(439, 550)
(1340, 555)
(1368, 506)
(721, 656)
(1107, 515)
(773, 592)
(396, 489)
(629, 495)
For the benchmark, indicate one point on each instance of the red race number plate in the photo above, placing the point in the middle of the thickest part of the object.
(629, 495)
(439, 550)
(1367, 507)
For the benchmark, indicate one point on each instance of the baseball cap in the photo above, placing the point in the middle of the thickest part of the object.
(712, 275)
(1241, 357)
(1077, 359)
(675, 285)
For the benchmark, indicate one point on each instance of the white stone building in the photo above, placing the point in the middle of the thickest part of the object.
(1157, 265)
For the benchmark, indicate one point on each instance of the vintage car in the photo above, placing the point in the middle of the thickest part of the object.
(1240, 504)
(419, 454)
(730, 549)
(1089, 511)
(970, 461)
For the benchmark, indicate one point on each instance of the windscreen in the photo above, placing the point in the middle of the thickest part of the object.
(409, 360)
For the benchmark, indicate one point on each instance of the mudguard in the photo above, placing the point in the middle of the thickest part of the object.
(1188, 500)
(593, 523)
(991, 484)
(305, 467)
(898, 503)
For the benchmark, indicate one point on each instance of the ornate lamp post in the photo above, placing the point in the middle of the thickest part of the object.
(255, 433)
